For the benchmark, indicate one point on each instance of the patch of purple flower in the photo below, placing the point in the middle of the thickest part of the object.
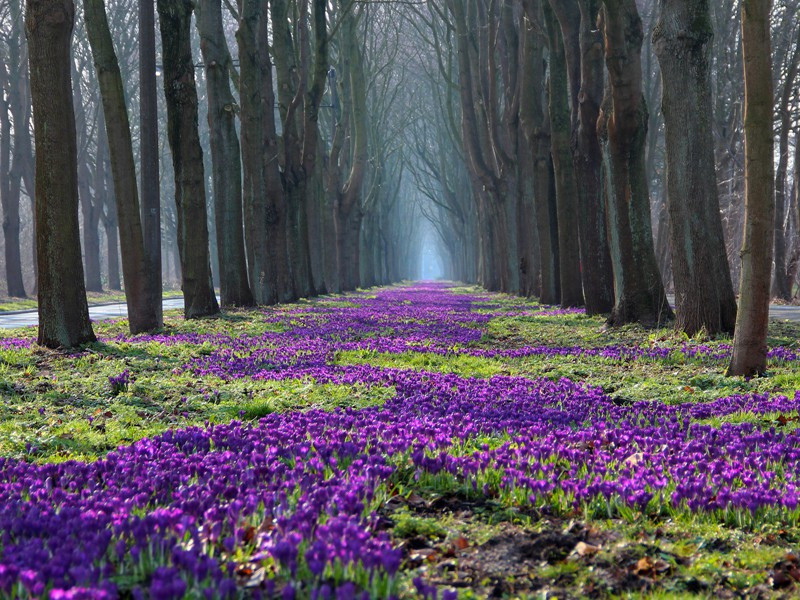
(291, 503)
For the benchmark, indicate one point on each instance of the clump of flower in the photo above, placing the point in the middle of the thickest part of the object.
(119, 383)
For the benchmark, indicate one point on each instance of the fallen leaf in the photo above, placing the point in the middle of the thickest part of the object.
(584, 549)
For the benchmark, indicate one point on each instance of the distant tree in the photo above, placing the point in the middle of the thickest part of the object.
(703, 290)
(622, 128)
(781, 284)
(63, 310)
(180, 90)
(347, 209)
(752, 322)
(14, 107)
(142, 312)
(225, 157)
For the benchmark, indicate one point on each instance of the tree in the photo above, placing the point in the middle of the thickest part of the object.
(560, 99)
(187, 158)
(622, 129)
(583, 51)
(225, 158)
(752, 322)
(782, 285)
(148, 152)
(300, 90)
(63, 310)
(703, 290)
(347, 205)
(142, 312)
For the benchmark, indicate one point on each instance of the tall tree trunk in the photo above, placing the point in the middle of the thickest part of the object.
(187, 158)
(704, 296)
(226, 163)
(348, 207)
(9, 196)
(583, 50)
(89, 229)
(752, 322)
(63, 310)
(91, 223)
(279, 268)
(622, 129)
(534, 125)
(566, 186)
(781, 286)
(254, 200)
(150, 189)
(142, 311)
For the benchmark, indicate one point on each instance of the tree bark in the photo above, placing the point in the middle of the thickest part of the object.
(752, 322)
(63, 310)
(225, 158)
(622, 130)
(583, 50)
(566, 185)
(9, 196)
(142, 311)
(187, 158)
(150, 188)
(347, 210)
(279, 268)
(704, 295)
(535, 126)
(781, 285)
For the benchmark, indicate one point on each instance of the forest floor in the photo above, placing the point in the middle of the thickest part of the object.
(414, 441)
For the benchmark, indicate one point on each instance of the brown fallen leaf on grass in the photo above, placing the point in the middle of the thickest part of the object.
(584, 549)
(647, 567)
(785, 573)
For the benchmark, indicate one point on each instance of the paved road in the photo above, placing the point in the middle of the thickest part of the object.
(781, 312)
(96, 313)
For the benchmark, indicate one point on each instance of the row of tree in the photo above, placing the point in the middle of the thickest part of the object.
(295, 193)
(546, 114)
(525, 132)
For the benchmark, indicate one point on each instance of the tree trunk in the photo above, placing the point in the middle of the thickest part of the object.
(535, 127)
(279, 268)
(142, 311)
(150, 189)
(63, 310)
(585, 70)
(225, 158)
(91, 223)
(187, 158)
(752, 322)
(348, 207)
(622, 129)
(566, 186)
(10, 198)
(704, 296)
(254, 201)
(781, 286)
